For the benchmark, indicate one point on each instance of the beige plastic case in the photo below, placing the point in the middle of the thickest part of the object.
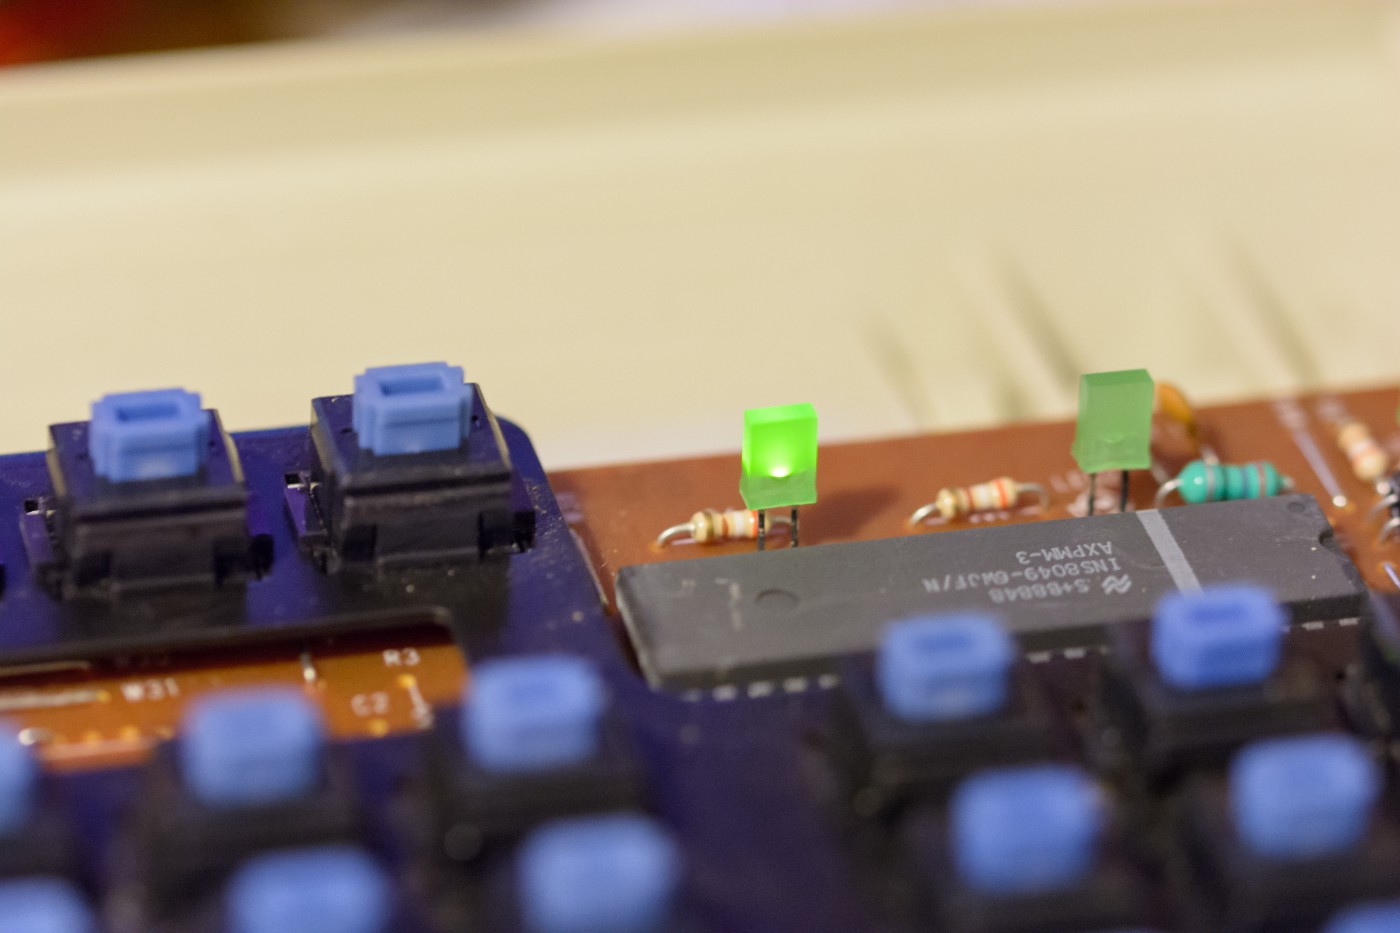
(912, 221)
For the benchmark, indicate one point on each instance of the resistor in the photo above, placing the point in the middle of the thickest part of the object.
(713, 526)
(1200, 481)
(1368, 460)
(954, 502)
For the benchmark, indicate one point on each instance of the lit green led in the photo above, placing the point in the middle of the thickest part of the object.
(780, 457)
(1115, 421)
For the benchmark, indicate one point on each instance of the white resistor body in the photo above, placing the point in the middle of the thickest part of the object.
(712, 526)
(998, 495)
(1367, 458)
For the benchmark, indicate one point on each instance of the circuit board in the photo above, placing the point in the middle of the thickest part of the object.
(750, 776)
(871, 488)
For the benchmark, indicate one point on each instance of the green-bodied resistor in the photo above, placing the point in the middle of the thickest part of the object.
(1200, 481)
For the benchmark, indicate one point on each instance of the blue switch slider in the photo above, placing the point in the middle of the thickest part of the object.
(532, 713)
(1018, 830)
(1222, 636)
(43, 904)
(327, 889)
(1303, 796)
(942, 667)
(161, 434)
(411, 409)
(605, 874)
(19, 780)
(1374, 917)
(249, 747)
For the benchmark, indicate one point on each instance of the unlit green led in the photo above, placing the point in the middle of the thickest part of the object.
(779, 457)
(1115, 421)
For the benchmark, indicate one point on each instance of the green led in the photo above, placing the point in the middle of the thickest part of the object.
(1115, 421)
(779, 457)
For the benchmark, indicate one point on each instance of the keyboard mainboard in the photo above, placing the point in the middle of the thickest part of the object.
(364, 676)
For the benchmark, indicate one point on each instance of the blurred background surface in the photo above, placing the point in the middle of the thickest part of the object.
(39, 30)
(631, 220)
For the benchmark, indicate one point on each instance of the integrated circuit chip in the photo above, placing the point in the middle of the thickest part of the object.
(1057, 584)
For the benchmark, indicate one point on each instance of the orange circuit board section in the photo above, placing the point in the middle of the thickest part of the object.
(83, 714)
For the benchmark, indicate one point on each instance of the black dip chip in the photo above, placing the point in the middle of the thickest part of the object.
(790, 612)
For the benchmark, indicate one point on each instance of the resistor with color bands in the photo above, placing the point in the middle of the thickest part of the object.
(712, 526)
(997, 495)
(1368, 461)
(1200, 481)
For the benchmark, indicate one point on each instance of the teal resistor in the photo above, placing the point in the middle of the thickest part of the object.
(1200, 481)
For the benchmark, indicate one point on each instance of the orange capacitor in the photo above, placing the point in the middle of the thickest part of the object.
(1172, 404)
